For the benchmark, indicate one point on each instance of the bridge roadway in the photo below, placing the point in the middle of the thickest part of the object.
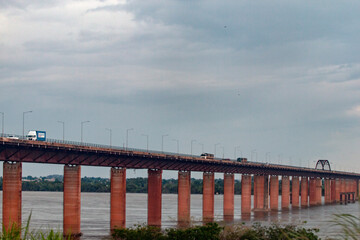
(259, 179)
(77, 154)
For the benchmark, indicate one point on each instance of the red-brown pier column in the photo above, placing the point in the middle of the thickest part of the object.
(184, 190)
(295, 191)
(274, 193)
(208, 196)
(245, 196)
(117, 198)
(154, 197)
(259, 192)
(312, 192)
(304, 192)
(72, 200)
(327, 191)
(11, 208)
(318, 191)
(337, 189)
(229, 188)
(285, 192)
(342, 185)
(333, 191)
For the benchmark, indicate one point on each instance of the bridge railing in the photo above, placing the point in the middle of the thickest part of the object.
(85, 144)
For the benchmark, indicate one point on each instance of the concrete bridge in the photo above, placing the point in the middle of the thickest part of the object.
(306, 183)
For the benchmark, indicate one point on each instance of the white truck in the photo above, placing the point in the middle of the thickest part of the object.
(35, 135)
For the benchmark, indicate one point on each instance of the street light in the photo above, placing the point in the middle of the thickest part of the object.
(110, 131)
(235, 151)
(192, 141)
(162, 141)
(223, 152)
(127, 137)
(266, 156)
(215, 148)
(177, 143)
(24, 122)
(147, 141)
(82, 125)
(2, 124)
(63, 125)
(253, 151)
(202, 147)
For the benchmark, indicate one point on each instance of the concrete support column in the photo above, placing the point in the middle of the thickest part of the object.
(229, 187)
(304, 192)
(337, 190)
(312, 192)
(208, 196)
(285, 192)
(154, 197)
(295, 191)
(318, 191)
(259, 193)
(333, 192)
(11, 208)
(245, 195)
(184, 191)
(72, 200)
(274, 193)
(327, 189)
(117, 198)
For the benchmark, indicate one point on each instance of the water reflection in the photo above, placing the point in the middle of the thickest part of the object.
(46, 210)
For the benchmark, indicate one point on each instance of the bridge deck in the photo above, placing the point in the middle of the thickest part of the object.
(55, 152)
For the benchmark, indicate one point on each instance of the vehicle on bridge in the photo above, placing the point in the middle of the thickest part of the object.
(242, 160)
(207, 155)
(35, 135)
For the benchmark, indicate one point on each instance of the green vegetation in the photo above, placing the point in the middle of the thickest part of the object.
(212, 231)
(16, 233)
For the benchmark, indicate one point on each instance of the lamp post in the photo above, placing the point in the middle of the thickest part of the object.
(202, 147)
(215, 145)
(235, 151)
(266, 156)
(24, 122)
(2, 123)
(63, 130)
(82, 126)
(162, 141)
(147, 141)
(253, 151)
(127, 137)
(223, 152)
(192, 141)
(177, 144)
(110, 131)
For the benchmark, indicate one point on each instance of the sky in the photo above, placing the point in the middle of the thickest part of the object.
(274, 81)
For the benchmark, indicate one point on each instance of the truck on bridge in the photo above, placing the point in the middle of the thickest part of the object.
(35, 135)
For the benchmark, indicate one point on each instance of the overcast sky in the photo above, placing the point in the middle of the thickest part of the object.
(277, 77)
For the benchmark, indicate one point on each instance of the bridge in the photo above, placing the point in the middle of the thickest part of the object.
(306, 183)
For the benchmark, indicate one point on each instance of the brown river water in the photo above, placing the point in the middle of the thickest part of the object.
(46, 208)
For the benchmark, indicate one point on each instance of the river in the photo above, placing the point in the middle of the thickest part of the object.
(46, 208)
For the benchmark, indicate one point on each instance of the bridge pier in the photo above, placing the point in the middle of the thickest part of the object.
(72, 200)
(337, 190)
(245, 196)
(208, 196)
(261, 192)
(184, 191)
(117, 198)
(312, 192)
(229, 187)
(295, 191)
(318, 191)
(274, 193)
(304, 191)
(154, 197)
(285, 192)
(12, 174)
(333, 190)
(343, 185)
(327, 190)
